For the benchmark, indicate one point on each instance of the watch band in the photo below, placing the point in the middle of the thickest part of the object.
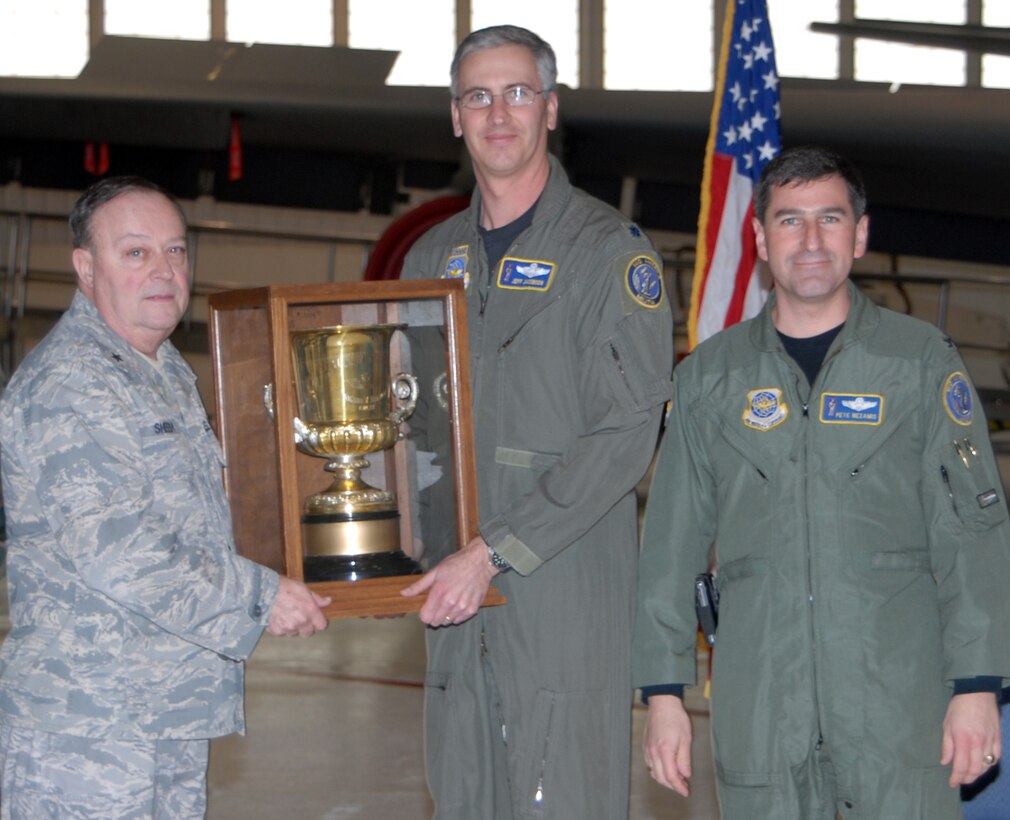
(497, 561)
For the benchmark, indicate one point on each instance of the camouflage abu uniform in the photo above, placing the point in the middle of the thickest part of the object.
(130, 610)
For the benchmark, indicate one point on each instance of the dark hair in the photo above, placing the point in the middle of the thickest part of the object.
(494, 36)
(805, 163)
(104, 191)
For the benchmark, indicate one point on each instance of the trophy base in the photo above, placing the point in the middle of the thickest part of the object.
(358, 567)
(349, 547)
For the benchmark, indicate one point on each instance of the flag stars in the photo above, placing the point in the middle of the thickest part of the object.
(761, 51)
(746, 31)
(748, 61)
(758, 121)
(767, 151)
(735, 92)
(745, 131)
(729, 136)
(771, 81)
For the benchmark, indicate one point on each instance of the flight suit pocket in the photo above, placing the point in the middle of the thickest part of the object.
(564, 771)
(641, 374)
(976, 498)
(442, 749)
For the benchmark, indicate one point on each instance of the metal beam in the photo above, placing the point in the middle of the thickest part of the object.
(983, 39)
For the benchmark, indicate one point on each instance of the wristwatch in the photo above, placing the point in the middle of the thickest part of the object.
(497, 561)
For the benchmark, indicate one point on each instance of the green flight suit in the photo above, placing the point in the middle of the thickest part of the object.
(863, 554)
(527, 704)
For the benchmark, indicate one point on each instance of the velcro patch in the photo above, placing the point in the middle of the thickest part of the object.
(957, 399)
(852, 408)
(765, 409)
(645, 284)
(455, 266)
(525, 274)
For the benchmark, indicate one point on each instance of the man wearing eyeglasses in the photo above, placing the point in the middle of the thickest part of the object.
(527, 704)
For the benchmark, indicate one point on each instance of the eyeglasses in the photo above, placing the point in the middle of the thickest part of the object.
(514, 96)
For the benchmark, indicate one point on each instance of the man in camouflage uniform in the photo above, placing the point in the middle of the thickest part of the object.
(131, 612)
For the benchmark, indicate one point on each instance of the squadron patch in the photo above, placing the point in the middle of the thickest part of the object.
(765, 409)
(644, 282)
(852, 408)
(455, 267)
(525, 274)
(957, 398)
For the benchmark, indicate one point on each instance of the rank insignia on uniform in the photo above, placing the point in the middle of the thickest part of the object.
(644, 282)
(525, 274)
(852, 408)
(765, 409)
(455, 267)
(957, 398)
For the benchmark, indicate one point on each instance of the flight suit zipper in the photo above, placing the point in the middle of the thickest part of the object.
(808, 436)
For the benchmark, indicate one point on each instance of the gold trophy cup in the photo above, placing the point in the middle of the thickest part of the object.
(350, 530)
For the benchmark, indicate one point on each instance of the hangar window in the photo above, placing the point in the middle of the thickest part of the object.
(800, 52)
(881, 61)
(43, 38)
(300, 23)
(673, 52)
(996, 68)
(178, 20)
(557, 23)
(423, 33)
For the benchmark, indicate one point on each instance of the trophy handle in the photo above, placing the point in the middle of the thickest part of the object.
(304, 438)
(268, 399)
(405, 391)
(302, 433)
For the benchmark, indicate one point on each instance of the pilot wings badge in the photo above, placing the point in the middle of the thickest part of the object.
(852, 408)
(525, 274)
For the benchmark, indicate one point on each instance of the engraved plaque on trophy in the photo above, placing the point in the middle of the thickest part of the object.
(345, 401)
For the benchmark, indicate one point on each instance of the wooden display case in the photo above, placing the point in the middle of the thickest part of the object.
(431, 470)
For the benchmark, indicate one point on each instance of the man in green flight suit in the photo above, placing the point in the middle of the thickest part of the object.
(570, 340)
(835, 454)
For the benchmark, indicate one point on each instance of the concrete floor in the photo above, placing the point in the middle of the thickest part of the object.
(334, 732)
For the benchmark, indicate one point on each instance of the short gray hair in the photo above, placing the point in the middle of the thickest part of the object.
(104, 191)
(494, 36)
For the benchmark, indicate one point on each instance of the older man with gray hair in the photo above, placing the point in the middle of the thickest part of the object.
(131, 612)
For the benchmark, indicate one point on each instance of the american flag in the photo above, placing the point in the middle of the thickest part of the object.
(744, 136)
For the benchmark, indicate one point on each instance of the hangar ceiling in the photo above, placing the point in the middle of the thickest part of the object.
(937, 159)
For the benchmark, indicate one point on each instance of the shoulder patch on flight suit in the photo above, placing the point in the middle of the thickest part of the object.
(525, 274)
(852, 408)
(455, 266)
(765, 409)
(644, 282)
(957, 398)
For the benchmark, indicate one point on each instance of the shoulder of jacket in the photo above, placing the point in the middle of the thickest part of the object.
(595, 224)
(905, 336)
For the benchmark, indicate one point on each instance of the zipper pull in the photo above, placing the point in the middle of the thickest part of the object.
(946, 481)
